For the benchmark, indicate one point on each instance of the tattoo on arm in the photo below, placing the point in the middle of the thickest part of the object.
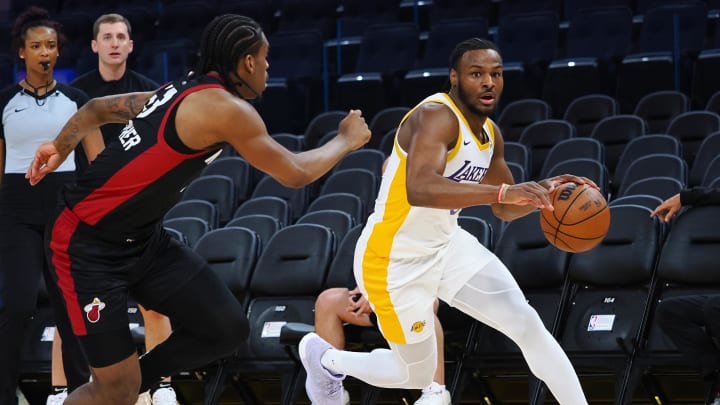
(69, 137)
(96, 112)
(135, 104)
(125, 107)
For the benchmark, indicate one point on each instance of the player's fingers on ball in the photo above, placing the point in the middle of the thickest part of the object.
(542, 201)
(539, 190)
(589, 182)
(540, 196)
(534, 199)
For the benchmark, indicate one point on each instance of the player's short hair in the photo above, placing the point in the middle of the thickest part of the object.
(470, 44)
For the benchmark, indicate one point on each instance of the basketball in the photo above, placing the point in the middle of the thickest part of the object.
(580, 220)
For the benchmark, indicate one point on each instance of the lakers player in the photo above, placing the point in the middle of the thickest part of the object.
(447, 155)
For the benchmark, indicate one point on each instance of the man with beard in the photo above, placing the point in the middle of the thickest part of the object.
(447, 155)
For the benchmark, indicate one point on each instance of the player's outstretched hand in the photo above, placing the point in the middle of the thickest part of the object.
(553, 182)
(528, 193)
(354, 129)
(47, 159)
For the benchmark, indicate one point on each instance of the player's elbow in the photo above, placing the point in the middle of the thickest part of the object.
(299, 179)
(414, 199)
(419, 197)
(92, 107)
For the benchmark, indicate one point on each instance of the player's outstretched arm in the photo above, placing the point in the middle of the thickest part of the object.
(87, 120)
(236, 122)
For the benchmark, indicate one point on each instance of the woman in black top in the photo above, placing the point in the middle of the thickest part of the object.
(33, 111)
(691, 321)
(695, 196)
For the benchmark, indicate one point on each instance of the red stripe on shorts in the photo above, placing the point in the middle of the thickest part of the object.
(63, 229)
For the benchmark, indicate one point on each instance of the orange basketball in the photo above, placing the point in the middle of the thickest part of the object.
(580, 220)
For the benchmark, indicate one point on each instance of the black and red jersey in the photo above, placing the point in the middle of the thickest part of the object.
(139, 176)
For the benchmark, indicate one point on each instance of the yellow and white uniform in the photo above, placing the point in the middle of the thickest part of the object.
(408, 255)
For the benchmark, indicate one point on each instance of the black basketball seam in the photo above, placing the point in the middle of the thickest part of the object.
(587, 217)
(578, 237)
(570, 204)
(558, 231)
(560, 220)
(554, 234)
(567, 246)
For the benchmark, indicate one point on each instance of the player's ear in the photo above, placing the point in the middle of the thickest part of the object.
(249, 62)
(94, 46)
(453, 78)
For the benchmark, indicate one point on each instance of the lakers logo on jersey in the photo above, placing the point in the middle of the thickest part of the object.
(469, 172)
(418, 326)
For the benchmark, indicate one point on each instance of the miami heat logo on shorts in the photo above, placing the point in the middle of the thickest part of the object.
(418, 326)
(93, 309)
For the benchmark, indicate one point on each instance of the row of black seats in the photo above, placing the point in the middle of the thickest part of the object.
(232, 193)
(546, 144)
(387, 53)
(287, 275)
(390, 65)
(619, 156)
(597, 116)
(654, 114)
(599, 304)
(657, 109)
(606, 136)
(266, 350)
(354, 15)
(276, 286)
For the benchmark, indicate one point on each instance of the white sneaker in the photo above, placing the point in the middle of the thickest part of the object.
(439, 396)
(164, 396)
(144, 399)
(716, 401)
(323, 388)
(56, 399)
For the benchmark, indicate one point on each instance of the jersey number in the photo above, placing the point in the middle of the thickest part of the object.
(156, 102)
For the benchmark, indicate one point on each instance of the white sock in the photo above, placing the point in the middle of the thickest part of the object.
(434, 387)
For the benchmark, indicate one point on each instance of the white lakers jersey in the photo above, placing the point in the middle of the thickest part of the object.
(399, 230)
